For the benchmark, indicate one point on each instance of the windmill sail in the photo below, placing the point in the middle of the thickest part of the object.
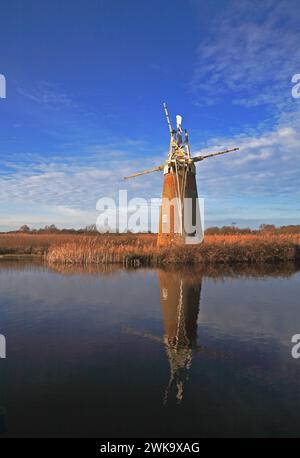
(156, 169)
(200, 158)
(168, 119)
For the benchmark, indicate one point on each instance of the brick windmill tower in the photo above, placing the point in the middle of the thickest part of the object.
(180, 219)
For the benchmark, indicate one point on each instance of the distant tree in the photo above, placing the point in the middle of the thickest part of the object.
(51, 228)
(24, 228)
(267, 227)
(212, 230)
(291, 229)
(227, 230)
(90, 228)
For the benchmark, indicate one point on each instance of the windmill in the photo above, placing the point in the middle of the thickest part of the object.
(179, 221)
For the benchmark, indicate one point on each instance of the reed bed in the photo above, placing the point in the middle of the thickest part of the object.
(130, 251)
(20, 243)
(140, 249)
(230, 249)
(143, 251)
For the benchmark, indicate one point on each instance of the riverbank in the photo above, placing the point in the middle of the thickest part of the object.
(141, 250)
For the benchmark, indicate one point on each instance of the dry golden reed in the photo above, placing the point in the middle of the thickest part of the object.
(141, 249)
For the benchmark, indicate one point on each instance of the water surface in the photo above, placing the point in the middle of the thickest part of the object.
(150, 352)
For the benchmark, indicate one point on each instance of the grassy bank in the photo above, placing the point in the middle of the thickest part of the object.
(141, 249)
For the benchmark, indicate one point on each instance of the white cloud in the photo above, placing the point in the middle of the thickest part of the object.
(266, 165)
(251, 53)
(47, 95)
(64, 190)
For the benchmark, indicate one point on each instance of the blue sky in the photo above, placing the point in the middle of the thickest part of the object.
(85, 86)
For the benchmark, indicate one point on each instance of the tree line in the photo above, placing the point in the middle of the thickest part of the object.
(230, 230)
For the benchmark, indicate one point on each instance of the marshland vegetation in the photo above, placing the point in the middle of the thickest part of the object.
(223, 246)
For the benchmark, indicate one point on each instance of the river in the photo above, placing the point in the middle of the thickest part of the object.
(181, 352)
